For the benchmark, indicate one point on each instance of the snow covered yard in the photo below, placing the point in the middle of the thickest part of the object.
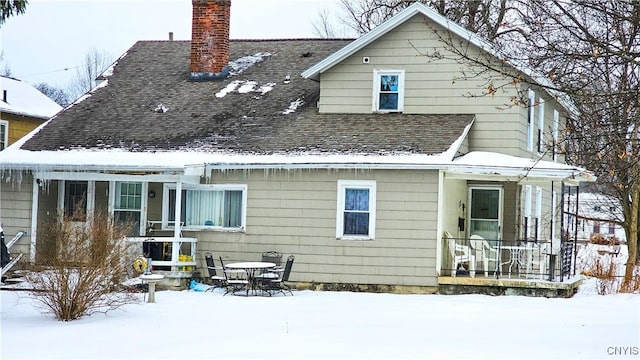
(332, 325)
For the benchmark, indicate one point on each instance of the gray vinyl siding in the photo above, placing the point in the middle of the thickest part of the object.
(294, 212)
(15, 212)
(433, 87)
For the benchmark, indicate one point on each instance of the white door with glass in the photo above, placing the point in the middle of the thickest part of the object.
(485, 212)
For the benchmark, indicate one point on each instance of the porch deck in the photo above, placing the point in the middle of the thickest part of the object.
(508, 286)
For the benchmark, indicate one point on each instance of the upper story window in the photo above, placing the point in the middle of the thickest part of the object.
(556, 125)
(356, 215)
(207, 206)
(531, 114)
(388, 90)
(4, 134)
(540, 125)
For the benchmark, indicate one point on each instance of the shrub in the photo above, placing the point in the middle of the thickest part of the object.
(81, 268)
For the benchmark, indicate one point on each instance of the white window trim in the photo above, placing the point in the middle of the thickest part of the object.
(143, 202)
(556, 125)
(343, 185)
(531, 112)
(376, 89)
(5, 141)
(540, 126)
(210, 187)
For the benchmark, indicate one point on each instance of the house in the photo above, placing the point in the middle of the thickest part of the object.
(22, 109)
(354, 155)
(599, 215)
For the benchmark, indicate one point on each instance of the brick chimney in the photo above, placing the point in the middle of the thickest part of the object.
(210, 39)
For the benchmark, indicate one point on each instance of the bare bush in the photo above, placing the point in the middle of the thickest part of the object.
(605, 271)
(82, 267)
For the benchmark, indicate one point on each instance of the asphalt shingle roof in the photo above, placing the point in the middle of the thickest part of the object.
(155, 74)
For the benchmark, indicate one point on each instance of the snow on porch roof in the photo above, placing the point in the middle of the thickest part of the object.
(519, 168)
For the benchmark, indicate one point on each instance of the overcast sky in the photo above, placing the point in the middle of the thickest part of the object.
(53, 35)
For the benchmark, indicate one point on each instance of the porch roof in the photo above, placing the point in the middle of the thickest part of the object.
(506, 167)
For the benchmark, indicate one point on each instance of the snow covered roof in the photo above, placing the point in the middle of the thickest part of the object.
(25, 100)
(420, 8)
(487, 164)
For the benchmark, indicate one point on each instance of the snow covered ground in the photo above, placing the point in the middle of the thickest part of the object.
(335, 325)
(332, 325)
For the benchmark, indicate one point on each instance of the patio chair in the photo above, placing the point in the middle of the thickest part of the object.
(218, 281)
(280, 284)
(272, 257)
(484, 252)
(461, 254)
(237, 282)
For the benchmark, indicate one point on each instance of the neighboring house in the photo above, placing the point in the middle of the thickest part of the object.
(597, 214)
(22, 109)
(357, 167)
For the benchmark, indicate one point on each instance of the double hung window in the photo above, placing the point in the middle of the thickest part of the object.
(388, 90)
(4, 134)
(531, 103)
(207, 206)
(128, 204)
(356, 213)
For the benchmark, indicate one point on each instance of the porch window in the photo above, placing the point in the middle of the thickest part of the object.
(356, 210)
(388, 90)
(527, 211)
(128, 204)
(612, 229)
(4, 134)
(596, 227)
(208, 206)
(75, 200)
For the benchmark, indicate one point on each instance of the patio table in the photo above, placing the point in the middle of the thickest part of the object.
(515, 257)
(250, 267)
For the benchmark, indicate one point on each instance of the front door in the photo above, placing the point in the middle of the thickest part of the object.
(485, 212)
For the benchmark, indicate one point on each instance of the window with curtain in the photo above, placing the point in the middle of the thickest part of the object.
(356, 209)
(208, 206)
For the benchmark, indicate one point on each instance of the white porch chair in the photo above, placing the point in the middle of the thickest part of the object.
(461, 254)
(485, 252)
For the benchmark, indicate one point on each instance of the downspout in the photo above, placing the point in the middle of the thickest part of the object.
(439, 229)
(34, 220)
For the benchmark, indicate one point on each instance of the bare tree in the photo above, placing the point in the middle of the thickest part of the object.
(10, 8)
(485, 17)
(590, 49)
(324, 27)
(55, 94)
(93, 64)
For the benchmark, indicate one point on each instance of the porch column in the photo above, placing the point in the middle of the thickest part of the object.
(34, 220)
(175, 251)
